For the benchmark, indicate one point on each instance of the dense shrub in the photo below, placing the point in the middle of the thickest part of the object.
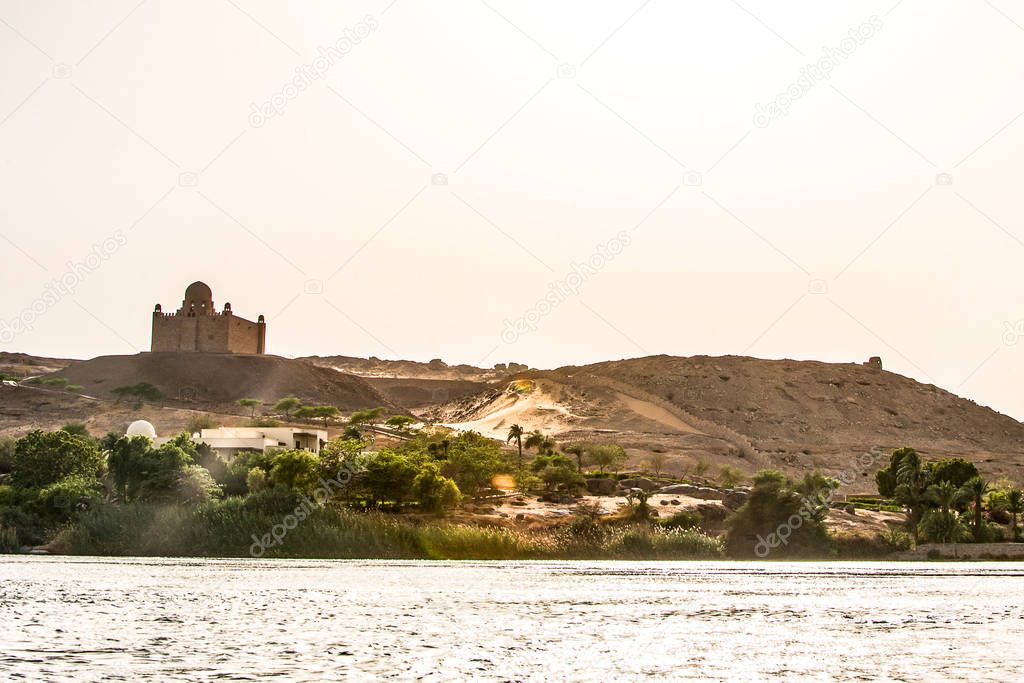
(42, 458)
(776, 521)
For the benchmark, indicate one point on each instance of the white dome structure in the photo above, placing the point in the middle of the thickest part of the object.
(141, 428)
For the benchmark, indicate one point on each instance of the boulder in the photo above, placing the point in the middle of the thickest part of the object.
(735, 498)
(639, 483)
(701, 492)
(712, 514)
(851, 509)
(602, 487)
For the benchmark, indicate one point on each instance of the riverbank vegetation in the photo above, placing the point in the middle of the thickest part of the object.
(417, 498)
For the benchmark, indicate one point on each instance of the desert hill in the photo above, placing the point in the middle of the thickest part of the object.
(24, 365)
(436, 369)
(24, 408)
(747, 412)
(216, 381)
(696, 413)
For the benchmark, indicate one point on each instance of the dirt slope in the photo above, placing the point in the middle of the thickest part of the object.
(25, 408)
(24, 365)
(212, 381)
(407, 369)
(750, 413)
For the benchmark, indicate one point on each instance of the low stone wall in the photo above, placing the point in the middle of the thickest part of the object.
(966, 551)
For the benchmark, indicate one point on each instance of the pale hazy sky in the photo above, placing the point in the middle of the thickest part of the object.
(565, 131)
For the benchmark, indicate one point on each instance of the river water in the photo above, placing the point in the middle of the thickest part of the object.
(200, 620)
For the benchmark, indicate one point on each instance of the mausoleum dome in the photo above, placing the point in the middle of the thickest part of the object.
(141, 428)
(198, 291)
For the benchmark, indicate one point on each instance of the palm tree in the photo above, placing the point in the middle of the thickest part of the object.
(516, 433)
(544, 444)
(1015, 506)
(911, 489)
(975, 489)
(579, 451)
(945, 494)
(535, 439)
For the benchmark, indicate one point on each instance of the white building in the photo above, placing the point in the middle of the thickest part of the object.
(230, 440)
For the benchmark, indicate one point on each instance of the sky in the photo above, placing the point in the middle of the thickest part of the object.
(487, 181)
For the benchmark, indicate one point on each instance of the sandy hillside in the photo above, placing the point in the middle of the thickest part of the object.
(23, 409)
(215, 381)
(24, 365)
(749, 413)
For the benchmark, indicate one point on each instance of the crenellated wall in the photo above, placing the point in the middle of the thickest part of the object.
(217, 333)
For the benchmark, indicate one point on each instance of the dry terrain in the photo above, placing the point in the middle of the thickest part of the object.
(704, 412)
(694, 414)
(215, 381)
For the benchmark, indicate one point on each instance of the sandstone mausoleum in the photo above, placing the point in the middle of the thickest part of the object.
(198, 326)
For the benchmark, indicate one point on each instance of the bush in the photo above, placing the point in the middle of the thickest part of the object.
(297, 469)
(7, 445)
(196, 485)
(435, 493)
(684, 519)
(69, 495)
(255, 480)
(197, 422)
(43, 458)
(896, 540)
(776, 521)
(729, 476)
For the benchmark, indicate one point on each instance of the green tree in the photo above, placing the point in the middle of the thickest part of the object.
(608, 457)
(196, 485)
(43, 458)
(77, 429)
(125, 462)
(7, 447)
(197, 422)
(435, 492)
(367, 417)
(287, 405)
(142, 472)
(911, 488)
(142, 392)
(400, 422)
(1015, 506)
(516, 433)
(946, 495)
(561, 474)
(389, 476)
(886, 478)
(296, 469)
(775, 521)
(317, 412)
(251, 403)
(975, 490)
(957, 471)
(473, 462)
(729, 476)
(579, 451)
(544, 444)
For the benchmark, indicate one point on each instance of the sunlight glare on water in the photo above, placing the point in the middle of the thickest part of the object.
(185, 619)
